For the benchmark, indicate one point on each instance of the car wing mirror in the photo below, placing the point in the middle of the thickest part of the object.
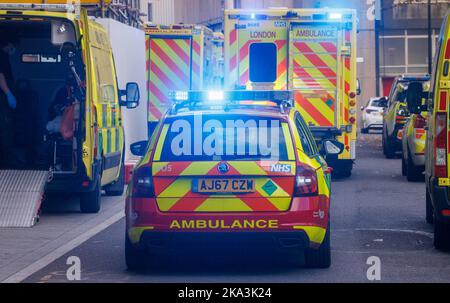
(132, 96)
(139, 148)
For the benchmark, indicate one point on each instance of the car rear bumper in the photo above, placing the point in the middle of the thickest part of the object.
(307, 218)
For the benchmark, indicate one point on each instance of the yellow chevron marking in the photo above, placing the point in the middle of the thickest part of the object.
(223, 205)
(134, 233)
(288, 140)
(248, 168)
(179, 188)
(282, 204)
(315, 234)
(160, 144)
(164, 204)
(198, 168)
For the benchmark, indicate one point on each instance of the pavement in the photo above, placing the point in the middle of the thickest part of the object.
(375, 213)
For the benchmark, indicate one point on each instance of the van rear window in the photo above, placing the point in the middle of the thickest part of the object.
(263, 62)
(226, 138)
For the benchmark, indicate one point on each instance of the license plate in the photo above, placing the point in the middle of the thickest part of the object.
(211, 186)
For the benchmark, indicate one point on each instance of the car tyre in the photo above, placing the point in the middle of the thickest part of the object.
(134, 257)
(389, 150)
(321, 257)
(441, 235)
(403, 167)
(90, 202)
(413, 172)
(117, 188)
(429, 208)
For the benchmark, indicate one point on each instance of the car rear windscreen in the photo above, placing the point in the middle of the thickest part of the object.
(225, 138)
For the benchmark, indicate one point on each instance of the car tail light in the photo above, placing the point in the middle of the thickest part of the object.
(305, 181)
(143, 183)
(440, 146)
(420, 122)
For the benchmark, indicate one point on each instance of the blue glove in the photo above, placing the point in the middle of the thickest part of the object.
(11, 100)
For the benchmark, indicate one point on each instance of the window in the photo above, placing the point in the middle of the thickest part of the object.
(224, 138)
(263, 62)
(308, 144)
(150, 12)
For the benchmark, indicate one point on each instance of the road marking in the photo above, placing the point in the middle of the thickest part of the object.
(409, 231)
(61, 251)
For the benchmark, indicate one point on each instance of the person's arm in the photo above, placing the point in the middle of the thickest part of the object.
(3, 85)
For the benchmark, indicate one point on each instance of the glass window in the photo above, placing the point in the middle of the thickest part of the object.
(263, 62)
(224, 138)
(417, 51)
(393, 52)
(308, 144)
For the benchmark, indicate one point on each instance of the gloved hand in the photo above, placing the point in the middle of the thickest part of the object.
(11, 100)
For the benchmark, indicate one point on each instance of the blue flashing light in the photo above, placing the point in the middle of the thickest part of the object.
(253, 16)
(335, 16)
(216, 96)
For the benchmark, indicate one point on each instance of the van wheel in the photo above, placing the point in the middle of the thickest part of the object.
(320, 258)
(413, 173)
(117, 188)
(134, 257)
(90, 202)
(388, 149)
(441, 235)
(429, 208)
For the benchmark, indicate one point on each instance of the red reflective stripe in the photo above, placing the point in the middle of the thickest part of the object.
(161, 184)
(443, 100)
(233, 62)
(233, 36)
(166, 80)
(329, 47)
(157, 92)
(447, 50)
(347, 36)
(282, 67)
(178, 50)
(189, 203)
(280, 44)
(258, 204)
(347, 63)
(244, 77)
(312, 110)
(196, 47)
(168, 61)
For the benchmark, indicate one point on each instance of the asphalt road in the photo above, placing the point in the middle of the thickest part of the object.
(376, 212)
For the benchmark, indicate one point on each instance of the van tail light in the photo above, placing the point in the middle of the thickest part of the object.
(95, 143)
(143, 183)
(420, 122)
(305, 182)
(440, 146)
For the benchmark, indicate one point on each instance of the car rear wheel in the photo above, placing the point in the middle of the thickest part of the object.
(320, 258)
(90, 202)
(413, 172)
(441, 235)
(429, 208)
(388, 149)
(134, 257)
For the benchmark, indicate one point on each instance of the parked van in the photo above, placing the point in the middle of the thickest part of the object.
(68, 118)
(437, 143)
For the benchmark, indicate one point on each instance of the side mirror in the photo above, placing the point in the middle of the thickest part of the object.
(358, 87)
(414, 96)
(362, 108)
(131, 94)
(333, 147)
(139, 148)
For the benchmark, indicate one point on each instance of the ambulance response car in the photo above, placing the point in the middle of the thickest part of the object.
(67, 120)
(413, 134)
(224, 166)
(396, 114)
(179, 57)
(437, 173)
(309, 51)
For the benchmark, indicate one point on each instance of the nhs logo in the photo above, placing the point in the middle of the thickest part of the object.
(280, 168)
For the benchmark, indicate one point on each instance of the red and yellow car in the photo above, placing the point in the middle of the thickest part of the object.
(238, 163)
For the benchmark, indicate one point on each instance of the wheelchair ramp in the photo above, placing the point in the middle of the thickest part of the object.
(21, 193)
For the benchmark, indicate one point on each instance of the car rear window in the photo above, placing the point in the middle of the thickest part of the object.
(226, 138)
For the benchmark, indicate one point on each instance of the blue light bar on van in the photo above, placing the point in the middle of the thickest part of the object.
(335, 16)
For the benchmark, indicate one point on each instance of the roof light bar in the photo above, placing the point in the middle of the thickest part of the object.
(29, 6)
